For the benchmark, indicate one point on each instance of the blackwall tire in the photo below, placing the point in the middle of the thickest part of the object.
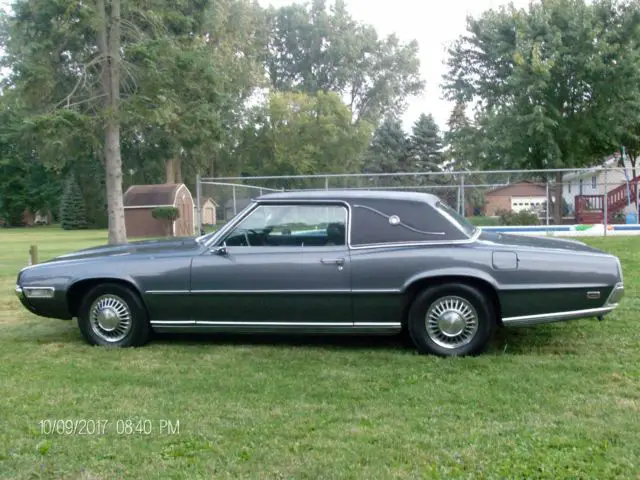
(113, 315)
(451, 320)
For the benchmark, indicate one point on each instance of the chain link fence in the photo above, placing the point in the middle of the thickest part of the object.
(587, 196)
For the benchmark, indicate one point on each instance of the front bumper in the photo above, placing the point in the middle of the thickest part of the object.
(615, 296)
(43, 301)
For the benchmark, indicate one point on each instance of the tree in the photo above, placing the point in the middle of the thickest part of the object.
(460, 139)
(73, 214)
(425, 146)
(547, 81)
(313, 48)
(26, 184)
(157, 77)
(300, 134)
(388, 150)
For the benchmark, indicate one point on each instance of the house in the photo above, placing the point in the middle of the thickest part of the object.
(140, 200)
(209, 212)
(591, 192)
(592, 181)
(29, 218)
(518, 196)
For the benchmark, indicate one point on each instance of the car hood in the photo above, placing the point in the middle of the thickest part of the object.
(524, 241)
(144, 246)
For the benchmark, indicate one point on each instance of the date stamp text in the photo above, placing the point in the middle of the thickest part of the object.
(100, 426)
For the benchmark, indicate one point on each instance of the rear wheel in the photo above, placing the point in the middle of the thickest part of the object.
(113, 314)
(451, 320)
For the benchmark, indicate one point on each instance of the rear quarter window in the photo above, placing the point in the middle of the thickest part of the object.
(418, 222)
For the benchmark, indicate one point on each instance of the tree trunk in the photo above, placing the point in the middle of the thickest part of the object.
(109, 45)
(177, 168)
(169, 172)
(173, 170)
(557, 205)
(115, 204)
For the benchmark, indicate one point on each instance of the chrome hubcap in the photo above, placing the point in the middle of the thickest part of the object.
(451, 322)
(110, 318)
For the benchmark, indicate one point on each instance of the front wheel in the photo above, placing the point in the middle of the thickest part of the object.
(451, 320)
(112, 314)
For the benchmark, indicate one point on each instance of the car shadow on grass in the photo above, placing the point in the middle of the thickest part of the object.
(517, 341)
(383, 342)
(505, 341)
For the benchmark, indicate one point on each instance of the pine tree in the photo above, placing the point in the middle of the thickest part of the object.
(388, 149)
(425, 146)
(460, 139)
(73, 212)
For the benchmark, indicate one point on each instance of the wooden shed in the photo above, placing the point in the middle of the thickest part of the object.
(140, 200)
(209, 212)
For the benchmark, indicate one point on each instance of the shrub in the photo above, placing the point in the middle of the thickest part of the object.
(481, 221)
(168, 214)
(523, 217)
(73, 211)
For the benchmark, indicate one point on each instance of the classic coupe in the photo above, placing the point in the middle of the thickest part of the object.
(333, 261)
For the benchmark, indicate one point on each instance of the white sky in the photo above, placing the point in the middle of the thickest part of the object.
(433, 23)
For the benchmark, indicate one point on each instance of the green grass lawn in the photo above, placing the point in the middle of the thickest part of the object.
(554, 401)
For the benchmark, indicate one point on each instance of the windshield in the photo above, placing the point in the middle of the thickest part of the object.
(462, 223)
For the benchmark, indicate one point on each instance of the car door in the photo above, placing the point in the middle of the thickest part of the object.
(282, 265)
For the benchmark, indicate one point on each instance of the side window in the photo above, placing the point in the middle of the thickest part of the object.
(291, 226)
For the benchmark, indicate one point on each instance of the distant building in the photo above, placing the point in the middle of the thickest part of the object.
(524, 195)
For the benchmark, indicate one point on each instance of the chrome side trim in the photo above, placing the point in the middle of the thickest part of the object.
(199, 292)
(169, 323)
(417, 244)
(525, 320)
(318, 291)
(374, 324)
(166, 292)
(180, 323)
(275, 324)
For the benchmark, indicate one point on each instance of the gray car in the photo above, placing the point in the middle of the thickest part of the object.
(339, 262)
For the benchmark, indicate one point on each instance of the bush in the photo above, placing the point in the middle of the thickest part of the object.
(73, 211)
(481, 221)
(169, 214)
(523, 217)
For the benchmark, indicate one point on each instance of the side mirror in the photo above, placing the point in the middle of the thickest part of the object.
(220, 250)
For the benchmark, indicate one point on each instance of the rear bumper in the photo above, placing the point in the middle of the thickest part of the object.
(612, 302)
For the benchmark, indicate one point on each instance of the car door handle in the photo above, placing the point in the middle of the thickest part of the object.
(332, 261)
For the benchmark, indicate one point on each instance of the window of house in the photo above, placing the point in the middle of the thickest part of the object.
(593, 182)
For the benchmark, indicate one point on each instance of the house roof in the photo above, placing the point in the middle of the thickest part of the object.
(528, 187)
(609, 162)
(161, 195)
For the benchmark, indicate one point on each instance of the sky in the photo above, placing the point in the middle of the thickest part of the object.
(433, 23)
